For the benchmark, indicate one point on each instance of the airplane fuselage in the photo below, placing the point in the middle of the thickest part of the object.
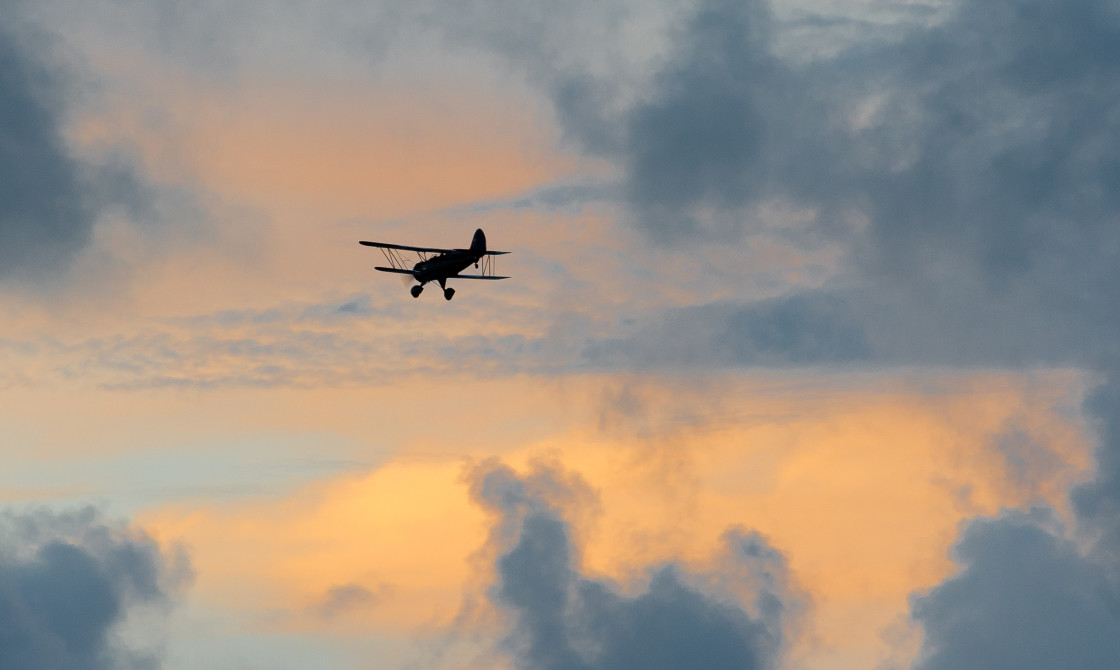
(440, 268)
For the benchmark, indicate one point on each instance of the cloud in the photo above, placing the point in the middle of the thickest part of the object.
(979, 152)
(970, 168)
(340, 600)
(67, 583)
(54, 191)
(704, 138)
(336, 340)
(805, 329)
(561, 196)
(972, 186)
(1098, 501)
(736, 616)
(1050, 606)
(44, 214)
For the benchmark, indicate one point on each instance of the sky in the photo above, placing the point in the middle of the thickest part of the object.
(809, 358)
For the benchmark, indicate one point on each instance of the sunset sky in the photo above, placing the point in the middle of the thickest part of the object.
(810, 358)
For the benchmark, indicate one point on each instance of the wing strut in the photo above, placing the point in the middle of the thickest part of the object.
(396, 260)
(486, 264)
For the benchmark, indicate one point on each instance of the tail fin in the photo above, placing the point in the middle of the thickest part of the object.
(478, 244)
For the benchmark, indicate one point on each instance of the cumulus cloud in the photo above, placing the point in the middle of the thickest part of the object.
(68, 581)
(737, 615)
(1027, 597)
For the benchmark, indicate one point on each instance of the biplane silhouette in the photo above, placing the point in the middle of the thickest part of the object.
(439, 265)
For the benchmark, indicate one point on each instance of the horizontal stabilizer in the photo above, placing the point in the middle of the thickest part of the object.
(396, 270)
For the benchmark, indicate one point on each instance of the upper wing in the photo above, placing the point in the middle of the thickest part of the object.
(382, 245)
(475, 277)
(484, 253)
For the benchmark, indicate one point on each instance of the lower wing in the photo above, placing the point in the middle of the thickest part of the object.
(413, 273)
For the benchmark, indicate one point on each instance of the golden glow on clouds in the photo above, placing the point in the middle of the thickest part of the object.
(331, 149)
(403, 532)
(288, 175)
(860, 482)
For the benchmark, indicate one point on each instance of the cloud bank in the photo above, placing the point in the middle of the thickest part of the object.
(970, 167)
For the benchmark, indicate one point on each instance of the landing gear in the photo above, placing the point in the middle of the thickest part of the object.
(448, 293)
(415, 290)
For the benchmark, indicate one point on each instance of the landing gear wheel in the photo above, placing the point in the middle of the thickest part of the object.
(448, 293)
(416, 291)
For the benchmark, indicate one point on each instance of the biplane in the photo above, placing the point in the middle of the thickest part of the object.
(439, 265)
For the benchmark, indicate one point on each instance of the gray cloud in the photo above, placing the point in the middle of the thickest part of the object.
(50, 197)
(987, 183)
(347, 598)
(54, 191)
(44, 215)
(562, 196)
(1026, 598)
(807, 329)
(67, 581)
(1097, 502)
(708, 135)
(735, 617)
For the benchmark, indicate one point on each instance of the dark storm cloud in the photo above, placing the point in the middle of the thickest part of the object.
(1026, 598)
(707, 135)
(983, 153)
(44, 216)
(563, 620)
(1008, 191)
(66, 580)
